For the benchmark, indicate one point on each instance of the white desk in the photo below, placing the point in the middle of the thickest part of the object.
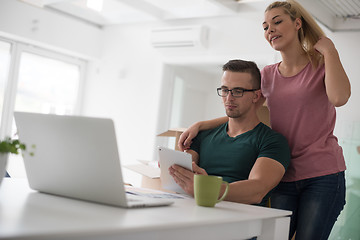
(26, 214)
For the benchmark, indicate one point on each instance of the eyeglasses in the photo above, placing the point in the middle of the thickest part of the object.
(235, 92)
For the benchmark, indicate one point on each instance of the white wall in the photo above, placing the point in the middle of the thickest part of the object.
(348, 46)
(125, 85)
(199, 99)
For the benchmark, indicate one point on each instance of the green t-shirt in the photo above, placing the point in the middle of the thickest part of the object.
(233, 157)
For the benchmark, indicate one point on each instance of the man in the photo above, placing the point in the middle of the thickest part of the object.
(245, 152)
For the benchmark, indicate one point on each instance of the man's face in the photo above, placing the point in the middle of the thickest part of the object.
(237, 107)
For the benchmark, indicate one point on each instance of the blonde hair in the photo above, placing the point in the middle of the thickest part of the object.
(308, 34)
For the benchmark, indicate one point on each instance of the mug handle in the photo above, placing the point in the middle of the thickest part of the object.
(225, 193)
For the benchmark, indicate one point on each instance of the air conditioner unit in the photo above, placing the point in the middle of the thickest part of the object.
(178, 37)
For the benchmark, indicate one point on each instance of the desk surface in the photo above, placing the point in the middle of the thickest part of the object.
(26, 214)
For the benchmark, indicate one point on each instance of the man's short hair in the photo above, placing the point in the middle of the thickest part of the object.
(238, 65)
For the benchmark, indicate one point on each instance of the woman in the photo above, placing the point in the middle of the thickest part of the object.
(302, 92)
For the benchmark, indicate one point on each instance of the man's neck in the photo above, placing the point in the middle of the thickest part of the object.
(238, 126)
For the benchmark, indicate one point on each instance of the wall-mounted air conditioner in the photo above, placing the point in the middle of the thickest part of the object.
(177, 37)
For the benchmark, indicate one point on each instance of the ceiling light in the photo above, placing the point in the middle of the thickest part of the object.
(248, 1)
(37, 3)
(96, 5)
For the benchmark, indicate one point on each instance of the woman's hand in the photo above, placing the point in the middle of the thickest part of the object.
(187, 136)
(324, 45)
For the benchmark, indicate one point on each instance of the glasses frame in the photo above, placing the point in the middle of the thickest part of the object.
(232, 94)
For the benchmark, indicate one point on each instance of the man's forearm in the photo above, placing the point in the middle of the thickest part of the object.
(246, 191)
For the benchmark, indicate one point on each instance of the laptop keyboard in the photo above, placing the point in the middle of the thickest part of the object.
(130, 199)
(155, 195)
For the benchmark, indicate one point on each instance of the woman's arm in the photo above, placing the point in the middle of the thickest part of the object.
(337, 83)
(186, 137)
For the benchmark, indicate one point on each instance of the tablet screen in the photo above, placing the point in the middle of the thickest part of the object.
(167, 158)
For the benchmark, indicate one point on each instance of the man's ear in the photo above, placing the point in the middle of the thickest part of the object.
(257, 96)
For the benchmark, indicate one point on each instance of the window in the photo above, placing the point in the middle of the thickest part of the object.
(46, 85)
(4, 70)
(36, 80)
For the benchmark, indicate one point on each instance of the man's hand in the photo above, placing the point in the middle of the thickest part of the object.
(185, 177)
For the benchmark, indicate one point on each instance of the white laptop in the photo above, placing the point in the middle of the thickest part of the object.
(76, 157)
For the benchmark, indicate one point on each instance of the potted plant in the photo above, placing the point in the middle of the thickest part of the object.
(8, 146)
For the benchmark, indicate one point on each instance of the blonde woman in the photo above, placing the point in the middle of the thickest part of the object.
(302, 92)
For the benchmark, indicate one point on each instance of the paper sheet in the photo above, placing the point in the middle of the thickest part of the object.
(147, 170)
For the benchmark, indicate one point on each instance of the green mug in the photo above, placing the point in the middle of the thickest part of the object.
(207, 190)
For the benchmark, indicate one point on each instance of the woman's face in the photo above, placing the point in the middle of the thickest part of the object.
(279, 30)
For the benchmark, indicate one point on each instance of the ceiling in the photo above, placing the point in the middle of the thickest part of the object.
(337, 15)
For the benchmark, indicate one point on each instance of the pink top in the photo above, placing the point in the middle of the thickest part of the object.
(301, 111)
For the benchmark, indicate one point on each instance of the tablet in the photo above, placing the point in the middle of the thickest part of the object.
(167, 158)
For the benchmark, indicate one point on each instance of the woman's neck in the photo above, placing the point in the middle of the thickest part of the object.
(294, 56)
(293, 61)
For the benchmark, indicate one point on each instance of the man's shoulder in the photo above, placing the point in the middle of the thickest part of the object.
(268, 133)
(274, 145)
(211, 132)
(206, 136)
(264, 128)
(214, 130)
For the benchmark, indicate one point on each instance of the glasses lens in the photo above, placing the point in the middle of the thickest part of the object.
(237, 92)
(222, 92)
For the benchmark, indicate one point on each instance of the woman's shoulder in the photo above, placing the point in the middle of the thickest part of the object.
(270, 68)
